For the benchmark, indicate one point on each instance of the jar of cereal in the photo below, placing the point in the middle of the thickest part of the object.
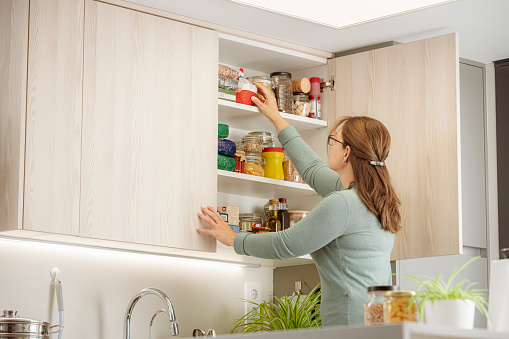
(252, 144)
(374, 306)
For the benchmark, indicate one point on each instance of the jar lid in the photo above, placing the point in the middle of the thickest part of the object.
(383, 288)
(272, 149)
(252, 138)
(264, 135)
(261, 228)
(249, 215)
(260, 78)
(286, 74)
(314, 79)
(399, 293)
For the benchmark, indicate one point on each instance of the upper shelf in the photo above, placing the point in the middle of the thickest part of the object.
(263, 57)
(259, 187)
(249, 118)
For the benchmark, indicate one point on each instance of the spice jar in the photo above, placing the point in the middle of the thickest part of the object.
(289, 170)
(273, 162)
(283, 91)
(301, 105)
(314, 99)
(258, 229)
(265, 82)
(268, 139)
(252, 144)
(253, 164)
(374, 306)
(397, 307)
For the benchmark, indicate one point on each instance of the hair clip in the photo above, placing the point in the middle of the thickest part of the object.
(377, 163)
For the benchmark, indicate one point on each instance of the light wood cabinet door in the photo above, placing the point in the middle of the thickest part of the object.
(413, 89)
(53, 121)
(149, 128)
(13, 51)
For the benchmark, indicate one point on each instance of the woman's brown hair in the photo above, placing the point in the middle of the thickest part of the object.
(369, 140)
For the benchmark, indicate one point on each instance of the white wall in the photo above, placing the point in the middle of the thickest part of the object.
(98, 285)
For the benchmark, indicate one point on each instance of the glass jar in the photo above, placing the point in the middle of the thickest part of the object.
(289, 170)
(268, 139)
(296, 216)
(265, 82)
(257, 229)
(374, 306)
(253, 164)
(301, 105)
(283, 90)
(253, 144)
(396, 307)
(247, 220)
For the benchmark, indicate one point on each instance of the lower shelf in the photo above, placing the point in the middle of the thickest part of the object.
(259, 187)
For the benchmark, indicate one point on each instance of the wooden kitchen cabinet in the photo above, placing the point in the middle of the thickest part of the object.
(413, 89)
(149, 128)
(53, 117)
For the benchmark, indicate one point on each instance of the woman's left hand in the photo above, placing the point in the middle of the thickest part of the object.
(218, 228)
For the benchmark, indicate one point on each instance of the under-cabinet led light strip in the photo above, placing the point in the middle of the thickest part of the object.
(173, 256)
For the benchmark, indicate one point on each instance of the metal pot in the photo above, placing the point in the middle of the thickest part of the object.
(14, 327)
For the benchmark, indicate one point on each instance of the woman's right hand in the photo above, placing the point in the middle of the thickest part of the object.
(269, 108)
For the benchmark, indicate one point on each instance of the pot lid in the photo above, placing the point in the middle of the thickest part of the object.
(10, 317)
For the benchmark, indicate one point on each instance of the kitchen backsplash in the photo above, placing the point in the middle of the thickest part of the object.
(98, 285)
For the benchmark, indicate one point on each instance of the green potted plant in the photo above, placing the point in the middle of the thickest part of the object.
(296, 311)
(442, 303)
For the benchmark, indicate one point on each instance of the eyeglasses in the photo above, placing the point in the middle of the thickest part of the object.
(331, 139)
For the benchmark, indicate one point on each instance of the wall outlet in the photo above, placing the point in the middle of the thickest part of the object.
(253, 293)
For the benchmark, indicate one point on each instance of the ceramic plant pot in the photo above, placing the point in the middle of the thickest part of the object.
(454, 313)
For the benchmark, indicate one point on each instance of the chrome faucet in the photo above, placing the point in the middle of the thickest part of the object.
(150, 290)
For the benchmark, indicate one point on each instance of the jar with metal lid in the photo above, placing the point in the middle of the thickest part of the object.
(14, 327)
(301, 104)
(267, 137)
(254, 164)
(247, 220)
(258, 229)
(265, 82)
(283, 90)
(398, 307)
(374, 305)
(253, 144)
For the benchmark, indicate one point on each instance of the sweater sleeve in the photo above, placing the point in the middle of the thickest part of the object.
(326, 222)
(313, 170)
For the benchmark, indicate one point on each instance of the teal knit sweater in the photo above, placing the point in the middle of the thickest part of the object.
(346, 242)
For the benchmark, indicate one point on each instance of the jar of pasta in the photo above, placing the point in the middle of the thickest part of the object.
(254, 164)
(374, 306)
(265, 82)
(398, 307)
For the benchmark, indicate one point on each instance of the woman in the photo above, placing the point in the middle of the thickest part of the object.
(350, 233)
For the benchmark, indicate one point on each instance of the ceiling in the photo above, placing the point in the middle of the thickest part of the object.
(483, 25)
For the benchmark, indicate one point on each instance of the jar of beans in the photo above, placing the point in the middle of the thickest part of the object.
(253, 144)
(374, 306)
(283, 90)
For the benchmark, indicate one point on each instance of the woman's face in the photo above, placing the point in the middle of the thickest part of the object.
(337, 153)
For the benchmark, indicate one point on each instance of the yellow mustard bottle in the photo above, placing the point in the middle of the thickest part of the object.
(273, 167)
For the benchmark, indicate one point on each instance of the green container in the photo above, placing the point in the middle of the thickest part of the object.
(225, 163)
(223, 131)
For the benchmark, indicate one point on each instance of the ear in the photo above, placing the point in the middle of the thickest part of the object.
(346, 156)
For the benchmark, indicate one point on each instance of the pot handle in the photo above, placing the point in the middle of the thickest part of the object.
(60, 328)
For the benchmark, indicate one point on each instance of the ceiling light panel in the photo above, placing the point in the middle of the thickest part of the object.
(341, 13)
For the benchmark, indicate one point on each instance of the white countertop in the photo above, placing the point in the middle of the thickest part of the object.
(405, 330)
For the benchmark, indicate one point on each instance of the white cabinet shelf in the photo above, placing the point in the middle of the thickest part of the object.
(259, 187)
(250, 118)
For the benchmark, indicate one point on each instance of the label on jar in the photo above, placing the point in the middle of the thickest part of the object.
(315, 110)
